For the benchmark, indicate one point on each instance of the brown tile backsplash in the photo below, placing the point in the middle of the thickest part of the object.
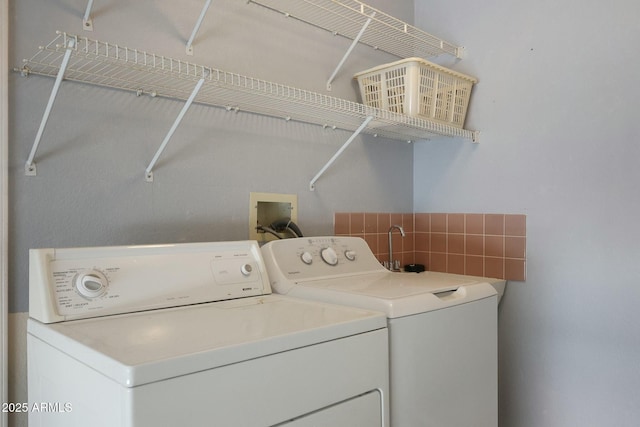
(490, 245)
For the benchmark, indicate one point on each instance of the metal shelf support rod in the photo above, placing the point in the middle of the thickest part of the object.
(185, 107)
(87, 22)
(197, 27)
(346, 55)
(30, 167)
(312, 184)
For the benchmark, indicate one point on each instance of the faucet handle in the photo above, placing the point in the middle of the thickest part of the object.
(396, 265)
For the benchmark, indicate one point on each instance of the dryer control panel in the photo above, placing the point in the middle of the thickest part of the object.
(76, 283)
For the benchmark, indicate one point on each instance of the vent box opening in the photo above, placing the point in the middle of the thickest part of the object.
(267, 208)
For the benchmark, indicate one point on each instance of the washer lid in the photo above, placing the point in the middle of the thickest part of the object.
(144, 347)
(395, 294)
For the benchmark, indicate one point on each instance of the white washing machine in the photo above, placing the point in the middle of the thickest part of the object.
(442, 328)
(190, 335)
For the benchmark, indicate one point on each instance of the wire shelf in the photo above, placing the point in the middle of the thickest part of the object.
(347, 17)
(119, 67)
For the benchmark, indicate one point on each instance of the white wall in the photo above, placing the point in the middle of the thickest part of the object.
(557, 106)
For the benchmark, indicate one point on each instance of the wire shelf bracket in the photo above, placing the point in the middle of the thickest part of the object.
(355, 41)
(149, 171)
(196, 28)
(30, 167)
(87, 22)
(312, 184)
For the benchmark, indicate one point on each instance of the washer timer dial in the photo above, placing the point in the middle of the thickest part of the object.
(246, 270)
(306, 257)
(91, 284)
(329, 256)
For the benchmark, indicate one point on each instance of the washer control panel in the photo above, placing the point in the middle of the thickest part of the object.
(319, 257)
(75, 283)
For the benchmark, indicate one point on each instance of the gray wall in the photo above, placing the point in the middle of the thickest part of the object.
(90, 187)
(557, 105)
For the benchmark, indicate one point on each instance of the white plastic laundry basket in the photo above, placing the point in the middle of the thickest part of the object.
(418, 88)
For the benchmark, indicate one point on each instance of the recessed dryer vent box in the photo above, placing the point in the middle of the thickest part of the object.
(265, 208)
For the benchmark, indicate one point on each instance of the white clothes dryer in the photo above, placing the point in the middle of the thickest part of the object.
(442, 328)
(190, 335)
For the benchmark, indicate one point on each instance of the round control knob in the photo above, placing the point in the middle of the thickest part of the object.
(91, 284)
(246, 269)
(307, 258)
(329, 256)
(350, 254)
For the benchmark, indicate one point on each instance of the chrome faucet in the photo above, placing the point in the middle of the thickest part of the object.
(394, 266)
